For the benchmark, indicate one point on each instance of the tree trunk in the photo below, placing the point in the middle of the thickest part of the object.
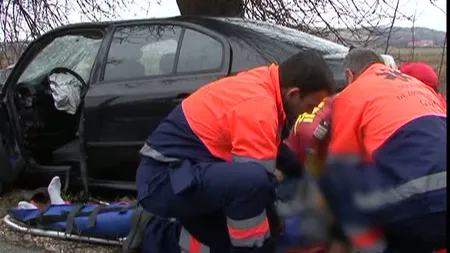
(216, 8)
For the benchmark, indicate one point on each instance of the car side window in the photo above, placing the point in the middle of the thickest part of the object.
(142, 51)
(199, 52)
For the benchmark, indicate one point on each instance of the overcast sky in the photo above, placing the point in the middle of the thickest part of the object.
(427, 15)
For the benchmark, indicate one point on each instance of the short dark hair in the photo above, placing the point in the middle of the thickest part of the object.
(308, 71)
(358, 59)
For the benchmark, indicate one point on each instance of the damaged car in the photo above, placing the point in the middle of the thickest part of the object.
(82, 98)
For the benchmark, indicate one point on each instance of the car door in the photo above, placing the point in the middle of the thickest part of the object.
(149, 69)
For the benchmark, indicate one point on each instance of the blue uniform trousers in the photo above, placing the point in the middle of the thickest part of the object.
(204, 197)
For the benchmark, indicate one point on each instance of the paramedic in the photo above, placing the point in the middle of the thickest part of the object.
(385, 178)
(424, 73)
(210, 162)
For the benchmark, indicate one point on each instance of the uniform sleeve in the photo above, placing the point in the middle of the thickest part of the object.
(254, 132)
(344, 137)
(341, 175)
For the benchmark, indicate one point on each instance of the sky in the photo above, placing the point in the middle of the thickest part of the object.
(427, 15)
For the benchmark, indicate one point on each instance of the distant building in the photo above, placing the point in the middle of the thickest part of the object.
(421, 43)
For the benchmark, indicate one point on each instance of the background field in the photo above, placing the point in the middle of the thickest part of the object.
(431, 55)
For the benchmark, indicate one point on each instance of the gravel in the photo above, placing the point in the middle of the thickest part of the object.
(17, 242)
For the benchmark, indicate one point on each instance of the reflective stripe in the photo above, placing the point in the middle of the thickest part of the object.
(189, 244)
(247, 223)
(269, 164)
(377, 247)
(148, 151)
(369, 240)
(378, 199)
(363, 237)
(250, 232)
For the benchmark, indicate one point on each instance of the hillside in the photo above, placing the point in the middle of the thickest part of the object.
(400, 37)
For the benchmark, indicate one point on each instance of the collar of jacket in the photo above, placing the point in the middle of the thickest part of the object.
(275, 80)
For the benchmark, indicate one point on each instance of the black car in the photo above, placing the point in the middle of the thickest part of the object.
(4, 73)
(82, 98)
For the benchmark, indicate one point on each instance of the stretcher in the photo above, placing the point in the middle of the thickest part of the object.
(110, 224)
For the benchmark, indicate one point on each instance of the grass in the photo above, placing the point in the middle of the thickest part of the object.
(431, 55)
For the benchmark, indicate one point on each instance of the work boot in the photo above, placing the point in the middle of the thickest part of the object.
(138, 221)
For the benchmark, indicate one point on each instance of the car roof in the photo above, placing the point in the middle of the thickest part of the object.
(239, 27)
(273, 42)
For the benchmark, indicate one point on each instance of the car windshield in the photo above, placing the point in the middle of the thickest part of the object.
(75, 52)
(290, 36)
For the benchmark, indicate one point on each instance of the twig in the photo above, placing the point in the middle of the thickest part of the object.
(390, 28)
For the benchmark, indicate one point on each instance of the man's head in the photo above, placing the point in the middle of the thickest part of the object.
(358, 60)
(422, 72)
(305, 80)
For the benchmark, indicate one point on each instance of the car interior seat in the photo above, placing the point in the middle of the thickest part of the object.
(166, 64)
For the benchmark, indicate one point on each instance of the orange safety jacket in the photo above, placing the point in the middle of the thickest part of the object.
(387, 154)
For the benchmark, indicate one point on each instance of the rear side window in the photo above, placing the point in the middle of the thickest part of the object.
(199, 53)
(142, 51)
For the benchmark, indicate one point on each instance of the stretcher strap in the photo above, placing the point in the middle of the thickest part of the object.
(139, 220)
(92, 218)
(43, 220)
(71, 217)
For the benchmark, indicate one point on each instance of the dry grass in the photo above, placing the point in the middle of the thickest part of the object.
(432, 56)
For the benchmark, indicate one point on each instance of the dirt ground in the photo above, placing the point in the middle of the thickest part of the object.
(18, 242)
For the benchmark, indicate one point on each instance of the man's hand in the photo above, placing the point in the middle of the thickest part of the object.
(278, 175)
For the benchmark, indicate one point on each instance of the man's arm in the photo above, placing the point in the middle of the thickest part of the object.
(340, 177)
(254, 132)
(287, 163)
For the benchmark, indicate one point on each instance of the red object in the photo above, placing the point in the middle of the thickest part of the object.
(424, 73)
(421, 71)
(312, 249)
(305, 136)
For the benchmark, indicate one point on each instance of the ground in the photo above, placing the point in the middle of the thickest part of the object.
(16, 242)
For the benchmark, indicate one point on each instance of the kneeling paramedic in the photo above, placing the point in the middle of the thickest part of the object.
(210, 163)
(385, 178)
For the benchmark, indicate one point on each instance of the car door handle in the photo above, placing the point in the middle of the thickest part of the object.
(180, 97)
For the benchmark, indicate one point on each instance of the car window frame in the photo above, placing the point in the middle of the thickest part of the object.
(177, 57)
(223, 69)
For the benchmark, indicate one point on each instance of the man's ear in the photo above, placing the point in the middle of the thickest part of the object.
(349, 77)
(293, 92)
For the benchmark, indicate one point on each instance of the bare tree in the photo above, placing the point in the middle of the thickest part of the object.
(413, 34)
(25, 20)
(392, 25)
(356, 20)
(444, 52)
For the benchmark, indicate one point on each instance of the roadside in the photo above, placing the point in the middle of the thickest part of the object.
(17, 242)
